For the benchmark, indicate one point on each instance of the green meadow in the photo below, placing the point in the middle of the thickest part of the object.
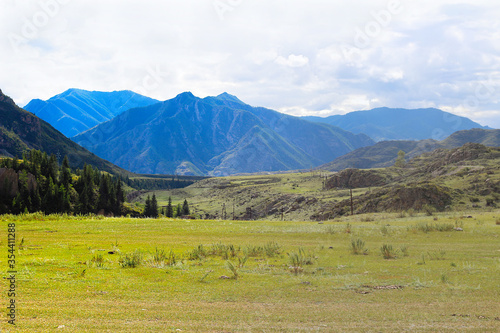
(362, 273)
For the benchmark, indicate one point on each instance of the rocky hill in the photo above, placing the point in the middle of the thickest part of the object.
(463, 179)
(384, 153)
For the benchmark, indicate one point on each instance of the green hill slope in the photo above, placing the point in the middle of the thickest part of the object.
(384, 153)
(20, 131)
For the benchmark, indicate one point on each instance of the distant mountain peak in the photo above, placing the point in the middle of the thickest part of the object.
(186, 94)
(215, 136)
(76, 110)
(228, 97)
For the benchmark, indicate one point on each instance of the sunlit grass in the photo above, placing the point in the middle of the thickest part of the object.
(128, 275)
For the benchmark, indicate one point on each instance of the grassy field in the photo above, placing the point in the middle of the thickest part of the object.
(75, 274)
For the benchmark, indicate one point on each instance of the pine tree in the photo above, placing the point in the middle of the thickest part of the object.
(178, 211)
(154, 207)
(170, 210)
(400, 161)
(185, 208)
(147, 207)
(65, 173)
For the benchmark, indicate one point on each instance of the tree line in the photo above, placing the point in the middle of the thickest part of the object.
(151, 208)
(39, 183)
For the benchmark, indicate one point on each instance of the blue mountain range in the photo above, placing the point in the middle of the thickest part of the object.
(75, 110)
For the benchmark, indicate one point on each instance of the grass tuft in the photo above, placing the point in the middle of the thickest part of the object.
(358, 247)
(388, 252)
(131, 260)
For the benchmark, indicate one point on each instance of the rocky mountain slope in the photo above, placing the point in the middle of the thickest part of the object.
(76, 110)
(215, 136)
(21, 131)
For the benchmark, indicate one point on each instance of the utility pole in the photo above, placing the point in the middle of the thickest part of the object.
(223, 211)
(352, 205)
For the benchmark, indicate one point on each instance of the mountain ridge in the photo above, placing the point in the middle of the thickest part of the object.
(76, 110)
(211, 130)
(21, 131)
(383, 124)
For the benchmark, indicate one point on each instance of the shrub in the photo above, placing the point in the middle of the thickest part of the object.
(197, 253)
(233, 269)
(272, 248)
(98, 260)
(162, 258)
(225, 251)
(299, 259)
(387, 251)
(358, 247)
(131, 260)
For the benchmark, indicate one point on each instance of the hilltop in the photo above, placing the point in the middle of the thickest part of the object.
(76, 110)
(215, 136)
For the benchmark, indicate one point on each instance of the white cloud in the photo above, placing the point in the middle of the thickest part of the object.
(293, 60)
(295, 56)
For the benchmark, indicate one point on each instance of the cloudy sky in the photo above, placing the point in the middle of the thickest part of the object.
(314, 57)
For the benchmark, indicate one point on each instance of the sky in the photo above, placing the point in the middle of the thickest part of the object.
(314, 57)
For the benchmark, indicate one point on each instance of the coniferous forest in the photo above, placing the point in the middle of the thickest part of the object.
(39, 183)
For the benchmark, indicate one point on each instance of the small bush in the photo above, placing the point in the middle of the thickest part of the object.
(225, 251)
(388, 252)
(358, 247)
(131, 260)
(242, 261)
(233, 269)
(98, 260)
(474, 199)
(272, 249)
(198, 253)
(162, 258)
(299, 259)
